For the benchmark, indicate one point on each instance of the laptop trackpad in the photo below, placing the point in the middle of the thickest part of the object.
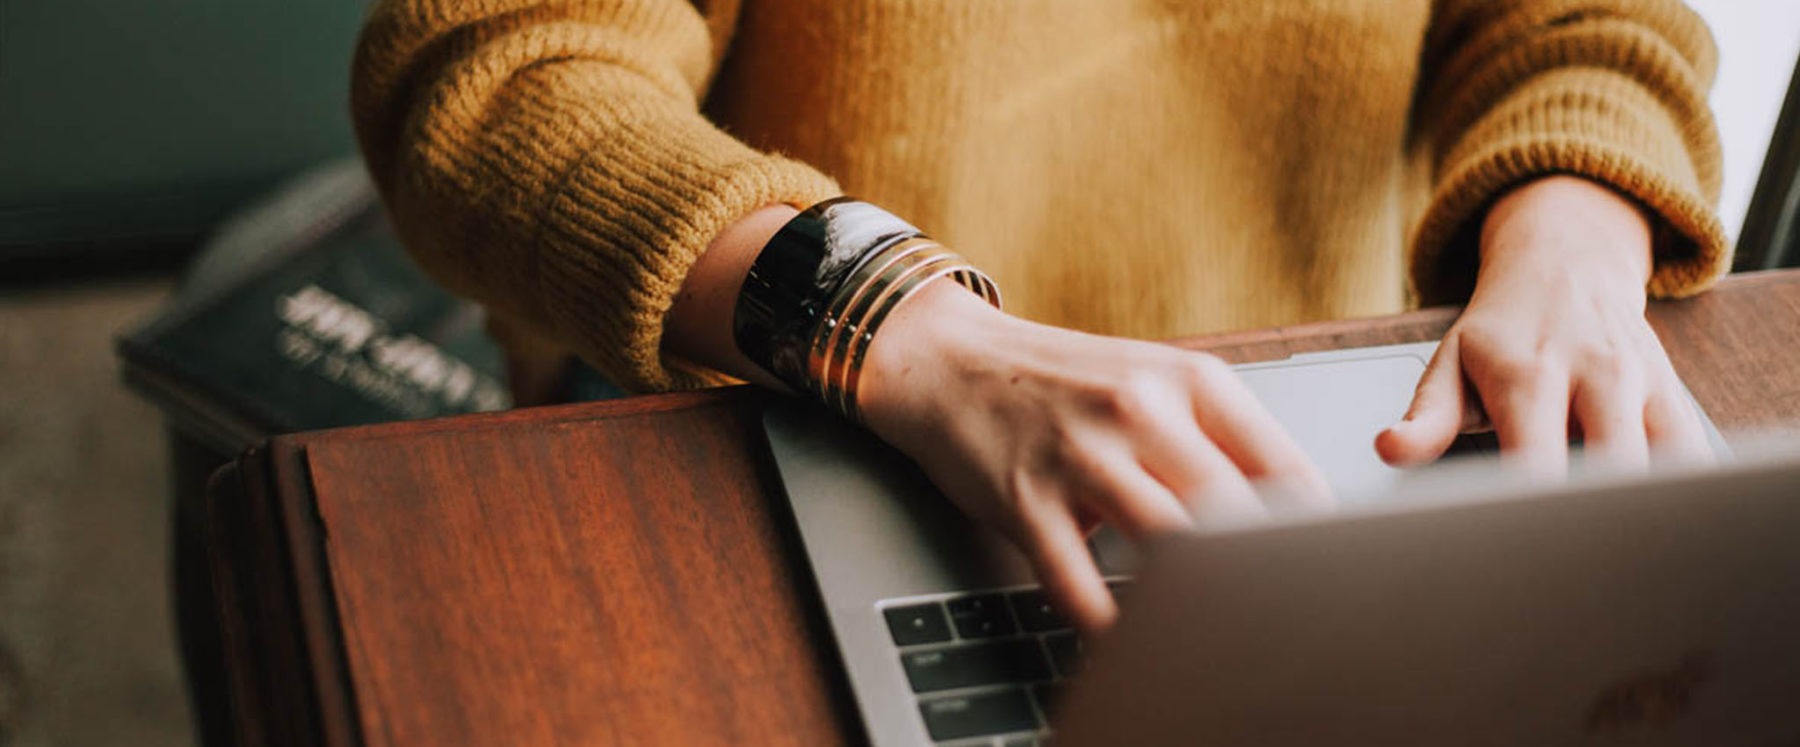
(1334, 409)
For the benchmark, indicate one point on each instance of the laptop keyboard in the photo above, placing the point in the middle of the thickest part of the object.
(986, 667)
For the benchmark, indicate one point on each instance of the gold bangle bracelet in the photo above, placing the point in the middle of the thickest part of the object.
(847, 325)
(843, 375)
(960, 270)
(832, 320)
(839, 364)
(833, 358)
(847, 403)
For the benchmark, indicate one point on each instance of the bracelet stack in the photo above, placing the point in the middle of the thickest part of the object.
(820, 290)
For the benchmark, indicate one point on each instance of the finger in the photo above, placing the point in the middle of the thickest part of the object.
(1246, 435)
(1530, 410)
(1611, 416)
(1117, 488)
(1198, 474)
(1059, 556)
(1441, 408)
(1672, 421)
(1672, 425)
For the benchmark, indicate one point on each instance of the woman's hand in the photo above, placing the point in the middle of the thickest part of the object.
(1554, 342)
(1042, 432)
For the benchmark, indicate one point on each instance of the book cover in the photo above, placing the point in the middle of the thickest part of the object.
(337, 329)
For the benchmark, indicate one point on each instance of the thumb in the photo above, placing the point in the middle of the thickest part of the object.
(1440, 409)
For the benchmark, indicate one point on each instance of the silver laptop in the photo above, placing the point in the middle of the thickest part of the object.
(1605, 611)
(947, 638)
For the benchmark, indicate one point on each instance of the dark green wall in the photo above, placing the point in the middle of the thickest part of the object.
(153, 117)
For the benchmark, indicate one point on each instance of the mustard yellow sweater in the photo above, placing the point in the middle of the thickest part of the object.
(1149, 168)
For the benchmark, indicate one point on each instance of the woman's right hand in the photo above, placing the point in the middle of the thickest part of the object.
(1043, 432)
(1038, 431)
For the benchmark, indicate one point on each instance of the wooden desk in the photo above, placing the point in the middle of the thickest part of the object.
(623, 572)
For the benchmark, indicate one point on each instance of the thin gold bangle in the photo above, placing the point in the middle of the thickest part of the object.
(841, 377)
(831, 360)
(845, 376)
(966, 275)
(831, 322)
(839, 344)
(847, 402)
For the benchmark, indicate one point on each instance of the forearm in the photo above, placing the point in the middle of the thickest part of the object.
(1594, 231)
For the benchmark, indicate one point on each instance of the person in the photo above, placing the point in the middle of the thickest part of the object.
(604, 174)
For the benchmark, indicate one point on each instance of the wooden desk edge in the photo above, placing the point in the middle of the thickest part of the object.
(289, 679)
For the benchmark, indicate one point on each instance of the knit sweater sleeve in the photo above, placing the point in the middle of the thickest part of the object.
(550, 160)
(1611, 90)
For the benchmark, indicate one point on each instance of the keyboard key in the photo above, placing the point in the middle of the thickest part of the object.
(1048, 695)
(961, 716)
(1000, 663)
(982, 616)
(1035, 613)
(916, 624)
(1065, 651)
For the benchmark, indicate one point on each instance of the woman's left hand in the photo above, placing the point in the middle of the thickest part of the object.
(1554, 342)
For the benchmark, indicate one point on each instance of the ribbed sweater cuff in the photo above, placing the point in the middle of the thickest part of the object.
(1585, 136)
(624, 230)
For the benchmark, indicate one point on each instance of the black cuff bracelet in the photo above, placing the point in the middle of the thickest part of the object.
(795, 277)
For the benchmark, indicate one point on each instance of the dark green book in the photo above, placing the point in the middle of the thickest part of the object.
(308, 314)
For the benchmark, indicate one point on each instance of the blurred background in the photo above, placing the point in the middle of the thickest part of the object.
(176, 185)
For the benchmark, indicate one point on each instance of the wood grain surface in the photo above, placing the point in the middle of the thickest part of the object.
(623, 572)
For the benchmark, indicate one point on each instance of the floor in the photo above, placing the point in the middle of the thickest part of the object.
(87, 643)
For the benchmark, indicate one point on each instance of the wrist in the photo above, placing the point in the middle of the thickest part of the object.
(823, 286)
(698, 325)
(1575, 225)
(922, 342)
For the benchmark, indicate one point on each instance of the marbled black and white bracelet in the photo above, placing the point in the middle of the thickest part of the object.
(819, 290)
